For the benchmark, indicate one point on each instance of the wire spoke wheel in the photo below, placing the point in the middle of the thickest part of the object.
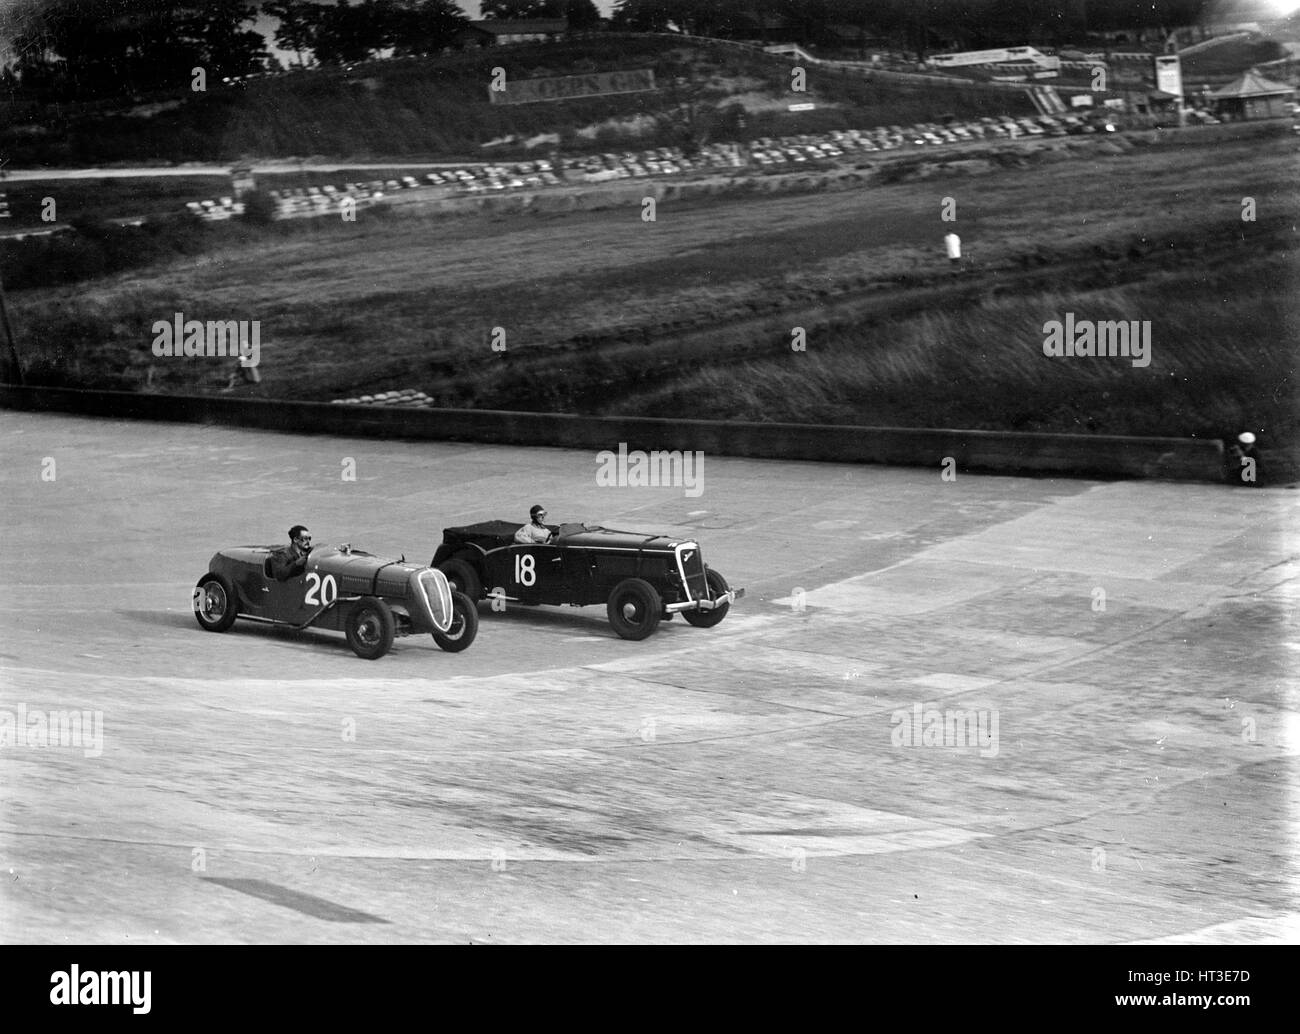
(215, 604)
(370, 628)
(464, 625)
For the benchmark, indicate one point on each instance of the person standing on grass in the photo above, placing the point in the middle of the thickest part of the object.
(1242, 461)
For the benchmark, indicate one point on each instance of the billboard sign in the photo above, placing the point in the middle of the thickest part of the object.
(569, 87)
(1169, 74)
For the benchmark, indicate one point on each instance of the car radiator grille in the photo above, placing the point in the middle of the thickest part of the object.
(437, 593)
(692, 563)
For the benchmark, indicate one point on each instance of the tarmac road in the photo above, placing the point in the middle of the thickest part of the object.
(1123, 647)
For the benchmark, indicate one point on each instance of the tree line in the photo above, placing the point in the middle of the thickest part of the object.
(104, 48)
(917, 25)
(101, 48)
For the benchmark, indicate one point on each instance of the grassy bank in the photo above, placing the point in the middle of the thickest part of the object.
(692, 314)
(1221, 358)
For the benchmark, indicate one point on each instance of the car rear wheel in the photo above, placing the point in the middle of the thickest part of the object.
(709, 618)
(215, 604)
(463, 577)
(634, 608)
(464, 624)
(370, 628)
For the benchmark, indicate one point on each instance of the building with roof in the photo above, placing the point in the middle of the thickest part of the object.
(490, 32)
(1252, 96)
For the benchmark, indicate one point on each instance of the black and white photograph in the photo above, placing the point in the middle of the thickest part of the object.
(650, 472)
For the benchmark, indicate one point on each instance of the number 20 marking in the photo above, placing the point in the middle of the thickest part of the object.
(329, 590)
(525, 569)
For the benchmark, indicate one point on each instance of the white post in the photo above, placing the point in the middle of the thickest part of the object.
(952, 244)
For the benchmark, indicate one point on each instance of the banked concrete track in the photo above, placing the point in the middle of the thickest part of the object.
(1125, 647)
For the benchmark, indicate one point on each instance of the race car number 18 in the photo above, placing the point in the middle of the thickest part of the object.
(525, 569)
(327, 588)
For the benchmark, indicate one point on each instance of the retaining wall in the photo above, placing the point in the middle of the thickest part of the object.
(1004, 452)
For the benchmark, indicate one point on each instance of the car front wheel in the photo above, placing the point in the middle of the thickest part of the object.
(215, 604)
(370, 628)
(709, 618)
(464, 625)
(634, 608)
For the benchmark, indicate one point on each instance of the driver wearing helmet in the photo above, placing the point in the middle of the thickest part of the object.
(535, 532)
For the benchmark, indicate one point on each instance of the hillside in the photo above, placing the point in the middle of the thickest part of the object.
(439, 107)
(1222, 63)
(693, 313)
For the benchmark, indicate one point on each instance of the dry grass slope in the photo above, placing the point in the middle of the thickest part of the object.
(693, 313)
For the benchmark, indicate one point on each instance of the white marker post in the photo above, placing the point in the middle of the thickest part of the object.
(952, 244)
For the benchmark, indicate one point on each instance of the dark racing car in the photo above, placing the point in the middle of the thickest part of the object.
(641, 579)
(369, 598)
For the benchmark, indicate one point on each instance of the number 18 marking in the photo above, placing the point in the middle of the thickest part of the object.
(525, 569)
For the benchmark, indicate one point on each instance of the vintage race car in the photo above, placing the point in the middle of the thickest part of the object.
(641, 579)
(369, 598)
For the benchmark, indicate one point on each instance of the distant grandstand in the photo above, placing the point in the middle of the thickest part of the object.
(1018, 58)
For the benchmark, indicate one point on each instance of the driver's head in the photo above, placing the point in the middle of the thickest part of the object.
(300, 536)
(538, 514)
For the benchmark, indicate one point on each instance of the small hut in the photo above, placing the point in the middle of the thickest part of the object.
(1252, 96)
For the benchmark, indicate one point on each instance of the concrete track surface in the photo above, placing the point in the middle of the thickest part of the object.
(1123, 649)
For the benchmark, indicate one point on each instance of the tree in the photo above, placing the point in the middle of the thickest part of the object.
(298, 23)
(810, 18)
(582, 15)
(727, 19)
(346, 33)
(425, 26)
(517, 9)
(73, 44)
(863, 15)
(215, 29)
(646, 15)
(690, 115)
(103, 48)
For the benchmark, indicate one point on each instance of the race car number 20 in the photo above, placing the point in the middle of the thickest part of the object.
(321, 592)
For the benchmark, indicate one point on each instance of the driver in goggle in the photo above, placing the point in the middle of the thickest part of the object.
(291, 560)
(535, 531)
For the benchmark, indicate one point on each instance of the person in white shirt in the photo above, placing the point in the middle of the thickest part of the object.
(535, 531)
